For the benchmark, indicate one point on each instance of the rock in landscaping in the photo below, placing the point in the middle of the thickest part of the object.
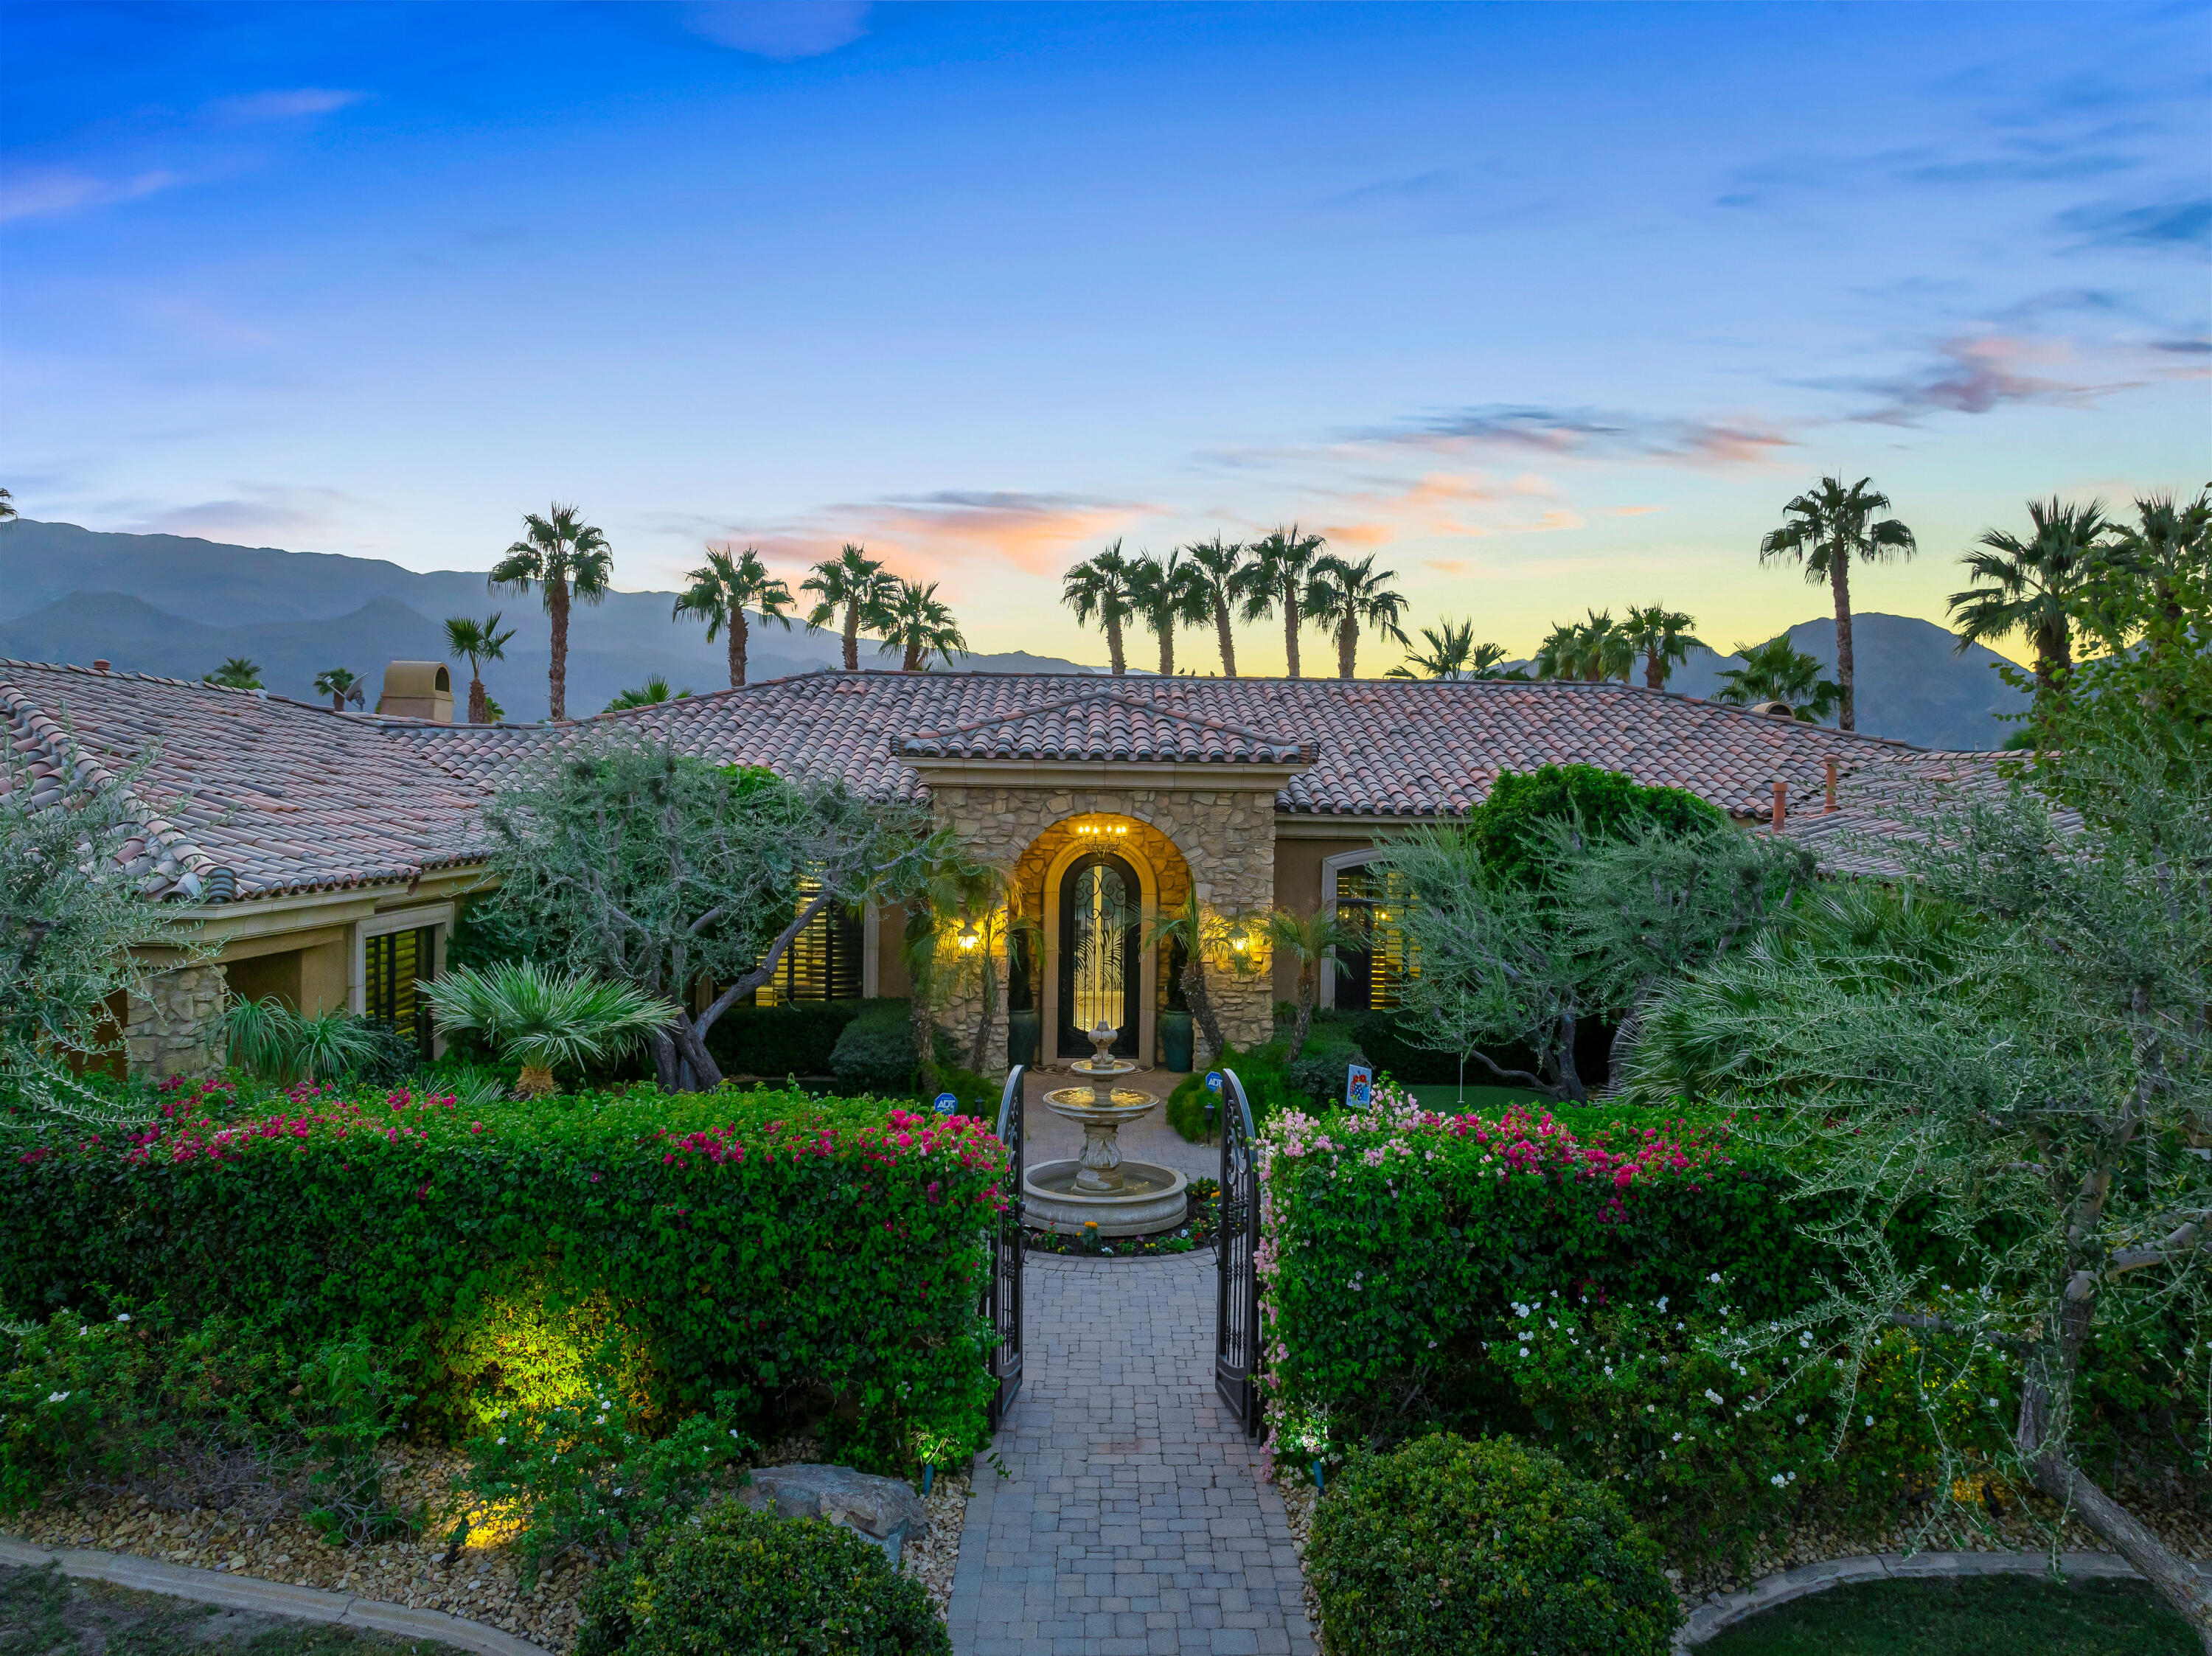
(883, 1509)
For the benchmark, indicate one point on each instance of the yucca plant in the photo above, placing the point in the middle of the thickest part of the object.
(539, 1020)
(273, 1041)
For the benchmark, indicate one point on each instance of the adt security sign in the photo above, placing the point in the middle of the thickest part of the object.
(1214, 1081)
(1358, 1085)
(947, 1103)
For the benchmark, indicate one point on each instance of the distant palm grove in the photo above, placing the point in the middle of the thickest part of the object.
(2044, 587)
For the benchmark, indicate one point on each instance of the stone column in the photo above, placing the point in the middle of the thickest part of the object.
(175, 1025)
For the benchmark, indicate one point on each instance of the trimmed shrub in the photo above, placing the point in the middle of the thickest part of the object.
(1318, 1072)
(784, 1250)
(875, 1054)
(1509, 825)
(745, 1583)
(1453, 1548)
(795, 1039)
(1266, 1088)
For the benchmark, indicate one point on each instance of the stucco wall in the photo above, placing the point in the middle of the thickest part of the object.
(1298, 888)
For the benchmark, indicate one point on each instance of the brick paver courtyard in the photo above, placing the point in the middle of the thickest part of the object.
(1135, 1522)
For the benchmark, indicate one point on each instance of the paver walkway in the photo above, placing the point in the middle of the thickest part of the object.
(1135, 1522)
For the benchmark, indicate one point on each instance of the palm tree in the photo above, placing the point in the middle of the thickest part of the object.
(1448, 650)
(917, 626)
(493, 712)
(340, 686)
(1163, 596)
(651, 694)
(1311, 940)
(6, 506)
(1345, 596)
(1103, 586)
(2032, 587)
(1829, 525)
(237, 674)
(1276, 580)
(1218, 575)
(1592, 650)
(1774, 671)
(721, 589)
(563, 556)
(855, 583)
(2168, 544)
(479, 641)
(535, 1019)
(1662, 637)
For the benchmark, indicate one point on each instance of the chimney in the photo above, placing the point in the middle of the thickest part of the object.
(417, 689)
(1781, 803)
(99, 665)
(1831, 804)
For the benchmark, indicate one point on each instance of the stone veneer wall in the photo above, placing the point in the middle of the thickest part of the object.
(176, 1026)
(1224, 837)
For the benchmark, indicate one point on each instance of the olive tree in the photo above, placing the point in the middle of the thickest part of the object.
(617, 855)
(2010, 1047)
(75, 930)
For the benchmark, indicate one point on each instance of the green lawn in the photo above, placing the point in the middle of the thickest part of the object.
(1983, 1616)
(46, 1613)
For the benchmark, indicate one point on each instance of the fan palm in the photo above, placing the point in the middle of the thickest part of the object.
(237, 674)
(1451, 652)
(1774, 671)
(1275, 580)
(1200, 933)
(720, 592)
(1102, 588)
(2032, 587)
(1218, 575)
(1345, 596)
(2168, 545)
(533, 1018)
(650, 694)
(1591, 649)
(1310, 940)
(1827, 527)
(1661, 637)
(1163, 597)
(852, 585)
(341, 685)
(565, 558)
(916, 625)
(6, 506)
(478, 641)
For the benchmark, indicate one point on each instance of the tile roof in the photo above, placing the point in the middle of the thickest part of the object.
(288, 796)
(1377, 748)
(1880, 813)
(294, 797)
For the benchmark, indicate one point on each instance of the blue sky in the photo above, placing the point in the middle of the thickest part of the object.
(1547, 306)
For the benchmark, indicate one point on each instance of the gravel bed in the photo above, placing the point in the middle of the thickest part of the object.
(484, 1585)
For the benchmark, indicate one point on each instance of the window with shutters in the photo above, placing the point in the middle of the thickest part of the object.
(1374, 901)
(391, 962)
(824, 960)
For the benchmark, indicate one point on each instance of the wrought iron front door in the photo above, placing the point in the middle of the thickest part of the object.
(1002, 1291)
(1236, 1304)
(1099, 901)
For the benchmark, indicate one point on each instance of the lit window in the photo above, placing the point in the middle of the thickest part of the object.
(1372, 979)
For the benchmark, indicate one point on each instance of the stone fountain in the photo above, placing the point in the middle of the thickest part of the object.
(1123, 1198)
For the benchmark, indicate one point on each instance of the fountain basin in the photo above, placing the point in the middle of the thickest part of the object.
(1151, 1198)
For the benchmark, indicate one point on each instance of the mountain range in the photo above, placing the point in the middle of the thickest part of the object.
(179, 606)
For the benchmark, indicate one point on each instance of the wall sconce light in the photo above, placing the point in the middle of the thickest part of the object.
(969, 938)
(1240, 944)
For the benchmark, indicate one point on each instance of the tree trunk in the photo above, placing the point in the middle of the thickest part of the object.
(737, 641)
(853, 637)
(1654, 672)
(1228, 639)
(1114, 644)
(1201, 1004)
(1347, 647)
(1167, 651)
(923, 1024)
(1570, 1080)
(556, 676)
(912, 661)
(1839, 578)
(1291, 625)
(664, 1060)
(691, 1046)
(1304, 1025)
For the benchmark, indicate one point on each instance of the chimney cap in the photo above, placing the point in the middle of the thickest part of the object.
(101, 664)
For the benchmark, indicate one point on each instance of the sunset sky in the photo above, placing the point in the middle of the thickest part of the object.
(1549, 305)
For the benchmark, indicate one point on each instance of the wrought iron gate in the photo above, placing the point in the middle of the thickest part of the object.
(1237, 1305)
(1002, 1293)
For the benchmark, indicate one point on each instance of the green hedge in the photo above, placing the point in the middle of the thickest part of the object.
(787, 1251)
(795, 1039)
(1449, 1548)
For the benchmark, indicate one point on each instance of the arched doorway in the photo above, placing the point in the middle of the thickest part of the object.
(1101, 905)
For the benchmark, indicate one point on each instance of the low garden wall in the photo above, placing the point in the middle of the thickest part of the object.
(785, 1257)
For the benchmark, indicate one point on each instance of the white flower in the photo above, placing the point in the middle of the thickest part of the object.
(1993, 1403)
(57, 1397)
(1678, 1437)
(1524, 1350)
(124, 1318)
(1662, 1302)
(1778, 1480)
(503, 1440)
(1715, 1277)
(1715, 1396)
(1800, 1420)
(1870, 1420)
(734, 1433)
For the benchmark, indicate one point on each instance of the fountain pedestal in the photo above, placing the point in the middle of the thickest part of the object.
(1121, 1198)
